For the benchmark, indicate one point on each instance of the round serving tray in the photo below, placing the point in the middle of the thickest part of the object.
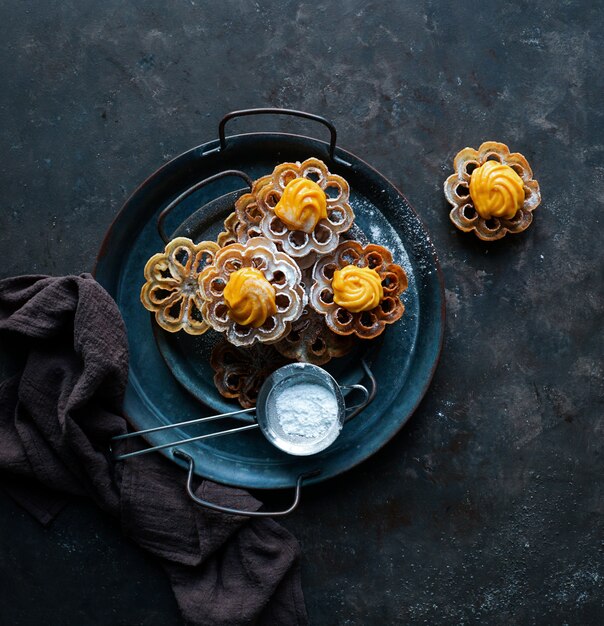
(169, 374)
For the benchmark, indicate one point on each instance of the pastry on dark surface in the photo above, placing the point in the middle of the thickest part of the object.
(492, 191)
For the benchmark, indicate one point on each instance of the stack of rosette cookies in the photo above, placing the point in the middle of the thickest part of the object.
(284, 281)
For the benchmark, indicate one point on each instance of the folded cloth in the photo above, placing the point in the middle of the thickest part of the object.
(58, 413)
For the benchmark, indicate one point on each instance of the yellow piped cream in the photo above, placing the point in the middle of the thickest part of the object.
(302, 206)
(357, 288)
(250, 298)
(496, 190)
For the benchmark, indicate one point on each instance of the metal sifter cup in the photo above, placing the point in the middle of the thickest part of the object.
(288, 376)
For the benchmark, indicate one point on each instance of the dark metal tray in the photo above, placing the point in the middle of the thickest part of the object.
(403, 358)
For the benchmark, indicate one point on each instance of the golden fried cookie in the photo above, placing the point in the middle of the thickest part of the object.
(229, 234)
(236, 301)
(249, 297)
(171, 289)
(311, 341)
(364, 323)
(302, 206)
(492, 191)
(306, 232)
(240, 372)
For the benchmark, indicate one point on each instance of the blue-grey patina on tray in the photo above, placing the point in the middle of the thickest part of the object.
(403, 358)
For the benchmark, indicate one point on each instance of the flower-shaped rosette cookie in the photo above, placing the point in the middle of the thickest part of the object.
(278, 269)
(243, 223)
(457, 191)
(301, 246)
(364, 324)
(229, 234)
(248, 215)
(240, 372)
(310, 341)
(171, 290)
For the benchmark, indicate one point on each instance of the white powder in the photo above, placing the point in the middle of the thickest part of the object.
(306, 410)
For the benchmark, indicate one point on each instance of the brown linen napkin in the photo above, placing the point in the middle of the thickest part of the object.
(57, 415)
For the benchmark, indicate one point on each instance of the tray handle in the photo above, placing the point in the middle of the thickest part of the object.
(275, 111)
(162, 216)
(229, 511)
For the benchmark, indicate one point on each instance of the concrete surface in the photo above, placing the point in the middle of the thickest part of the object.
(488, 508)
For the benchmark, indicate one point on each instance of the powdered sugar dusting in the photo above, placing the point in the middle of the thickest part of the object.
(377, 229)
(306, 410)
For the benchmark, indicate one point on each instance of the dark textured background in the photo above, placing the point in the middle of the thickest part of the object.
(488, 508)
